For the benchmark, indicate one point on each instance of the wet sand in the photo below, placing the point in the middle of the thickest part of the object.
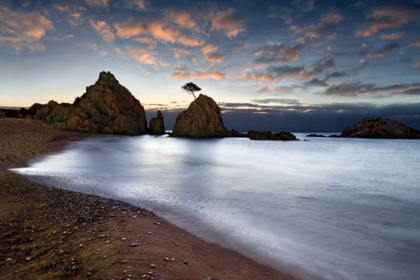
(52, 233)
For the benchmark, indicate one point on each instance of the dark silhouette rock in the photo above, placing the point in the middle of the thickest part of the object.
(267, 135)
(315, 135)
(202, 119)
(157, 126)
(2, 114)
(380, 128)
(106, 107)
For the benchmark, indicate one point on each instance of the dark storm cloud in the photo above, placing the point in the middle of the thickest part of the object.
(356, 88)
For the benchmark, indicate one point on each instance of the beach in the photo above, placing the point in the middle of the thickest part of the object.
(51, 233)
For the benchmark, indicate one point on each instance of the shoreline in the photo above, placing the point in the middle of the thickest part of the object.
(55, 233)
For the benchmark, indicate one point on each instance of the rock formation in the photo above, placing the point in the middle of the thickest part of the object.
(202, 119)
(267, 135)
(106, 107)
(2, 114)
(380, 128)
(157, 126)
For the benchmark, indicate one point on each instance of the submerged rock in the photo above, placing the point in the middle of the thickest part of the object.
(268, 135)
(157, 125)
(380, 128)
(202, 119)
(106, 107)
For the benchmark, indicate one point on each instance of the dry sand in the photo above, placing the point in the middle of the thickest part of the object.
(48, 233)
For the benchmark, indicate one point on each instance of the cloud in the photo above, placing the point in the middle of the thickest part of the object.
(150, 43)
(417, 65)
(384, 50)
(209, 48)
(20, 30)
(183, 19)
(275, 73)
(389, 17)
(296, 10)
(332, 17)
(97, 3)
(119, 52)
(324, 64)
(228, 21)
(103, 29)
(277, 100)
(74, 12)
(278, 53)
(199, 75)
(177, 52)
(215, 57)
(415, 43)
(239, 47)
(133, 27)
(147, 57)
(276, 90)
(135, 4)
(393, 36)
(357, 88)
(95, 48)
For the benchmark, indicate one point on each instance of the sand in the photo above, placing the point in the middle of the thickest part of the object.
(48, 233)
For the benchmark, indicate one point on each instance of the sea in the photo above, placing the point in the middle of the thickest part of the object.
(327, 208)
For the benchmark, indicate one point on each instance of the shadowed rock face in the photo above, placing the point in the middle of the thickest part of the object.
(106, 107)
(267, 135)
(202, 119)
(380, 128)
(157, 126)
(2, 114)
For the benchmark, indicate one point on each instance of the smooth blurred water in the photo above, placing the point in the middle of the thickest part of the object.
(333, 207)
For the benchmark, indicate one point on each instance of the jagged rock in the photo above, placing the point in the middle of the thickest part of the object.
(202, 119)
(380, 128)
(315, 135)
(106, 107)
(267, 135)
(157, 125)
(2, 114)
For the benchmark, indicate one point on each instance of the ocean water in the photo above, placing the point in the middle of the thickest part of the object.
(332, 208)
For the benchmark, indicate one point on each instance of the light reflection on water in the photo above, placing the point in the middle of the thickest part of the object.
(339, 208)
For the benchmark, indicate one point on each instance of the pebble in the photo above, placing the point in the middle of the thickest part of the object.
(167, 259)
(153, 266)
(134, 244)
(8, 259)
(172, 259)
(123, 239)
(28, 259)
(185, 262)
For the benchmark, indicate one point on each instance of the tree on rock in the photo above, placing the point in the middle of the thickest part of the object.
(191, 88)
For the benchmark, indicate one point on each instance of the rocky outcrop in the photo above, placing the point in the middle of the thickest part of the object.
(2, 114)
(202, 119)
(157, 125)
(106, 107)
(267, 135)
(315, 135)
(380, 128)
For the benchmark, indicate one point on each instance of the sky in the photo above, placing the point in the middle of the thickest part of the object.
(299, 65)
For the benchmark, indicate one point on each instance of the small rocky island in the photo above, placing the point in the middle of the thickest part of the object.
(380, 128)
(157, 125)
(203, 119)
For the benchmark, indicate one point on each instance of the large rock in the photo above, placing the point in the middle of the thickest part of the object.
(2, 114)
(380, 128)
(106, 107)
(157, 125)
(267, 135)
(202, 119)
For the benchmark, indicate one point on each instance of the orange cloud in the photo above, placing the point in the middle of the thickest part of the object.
(23, 30)
(229, 22)
(136, 4)
(150, 43)
(183, 19)
(214, 57)
(146, 57)
(180, 52)
(388, 17)
(103, 29)
(157, 29)
(257, 77)
(209, 48)
(199, 75)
